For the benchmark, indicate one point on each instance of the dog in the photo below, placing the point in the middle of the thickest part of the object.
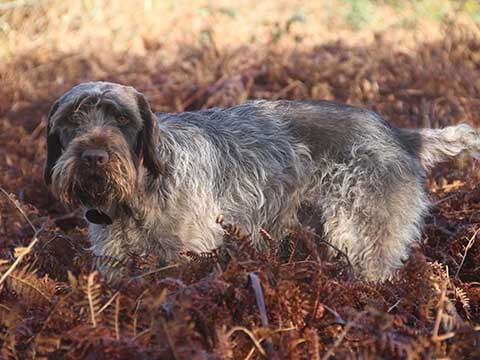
(155, 183)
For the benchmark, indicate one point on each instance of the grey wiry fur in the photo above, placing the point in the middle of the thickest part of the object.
(259, 164)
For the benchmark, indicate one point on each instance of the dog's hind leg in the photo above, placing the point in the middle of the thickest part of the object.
(377, 232)
(372, 206)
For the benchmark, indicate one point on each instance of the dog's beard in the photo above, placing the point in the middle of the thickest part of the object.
(94, 187)
(75, 184)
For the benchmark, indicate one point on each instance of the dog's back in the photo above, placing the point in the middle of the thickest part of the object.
(362, 177)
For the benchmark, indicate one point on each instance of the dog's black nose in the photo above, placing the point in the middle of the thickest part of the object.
(95, 156)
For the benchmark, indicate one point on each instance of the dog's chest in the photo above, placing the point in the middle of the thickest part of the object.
(134, 237)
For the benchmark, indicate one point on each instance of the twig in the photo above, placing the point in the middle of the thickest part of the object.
(154, 271)
(336, 315)
(70, 215)
(344, 333)
(252, 350)
(20, 257)
(257, 289)
(18, 208)
(117, 313)
(267, 237)
(445, 199)
(107, 304)
(29, 247)
(469, 246)
(438, 318)
(297, 342)
(394, 305)
(135, 316)
(139, 335)
(250, 335)
(341, 252)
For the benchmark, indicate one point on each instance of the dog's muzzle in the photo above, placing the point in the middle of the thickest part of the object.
(93, 181)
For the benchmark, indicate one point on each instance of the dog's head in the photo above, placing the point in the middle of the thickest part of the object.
(99, 135)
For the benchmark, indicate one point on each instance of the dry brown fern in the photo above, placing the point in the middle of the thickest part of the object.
(462, 297)
(29, 288)
(92, 291)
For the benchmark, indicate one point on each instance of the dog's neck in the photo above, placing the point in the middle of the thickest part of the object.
(105, 217)
(133, 209)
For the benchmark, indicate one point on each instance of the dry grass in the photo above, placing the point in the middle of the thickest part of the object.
(398, 60)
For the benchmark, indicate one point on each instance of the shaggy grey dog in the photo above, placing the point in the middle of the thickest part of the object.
(155, 183)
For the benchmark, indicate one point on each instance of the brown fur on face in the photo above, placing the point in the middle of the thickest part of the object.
(106, 117)
(75, 183)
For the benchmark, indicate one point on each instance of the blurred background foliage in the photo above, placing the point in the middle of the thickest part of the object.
(133, 25)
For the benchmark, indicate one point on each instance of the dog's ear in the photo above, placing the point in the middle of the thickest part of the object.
(54, 147)
(148, 138)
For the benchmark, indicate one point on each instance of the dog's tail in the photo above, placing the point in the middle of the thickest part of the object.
(432, 146)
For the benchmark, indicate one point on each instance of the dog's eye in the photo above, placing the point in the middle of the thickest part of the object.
(122, 120)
